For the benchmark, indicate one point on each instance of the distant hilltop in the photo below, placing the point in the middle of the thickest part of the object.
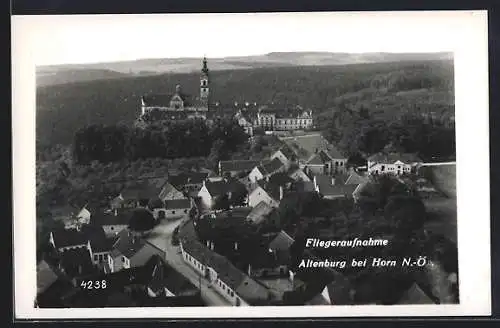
(56, 74)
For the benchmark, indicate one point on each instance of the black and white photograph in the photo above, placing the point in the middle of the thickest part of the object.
(300, 162)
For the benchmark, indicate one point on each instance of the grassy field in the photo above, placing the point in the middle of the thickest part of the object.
(62, 109)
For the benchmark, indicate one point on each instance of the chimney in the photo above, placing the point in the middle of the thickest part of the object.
(208, 243)
(235, 245)
(203, 183)
(178, 89)
(116, 212)
(333, 181)
(229, 195)
(249, 270)
(281, 192)
(212, 245)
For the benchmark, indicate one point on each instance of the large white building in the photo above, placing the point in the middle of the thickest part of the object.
(392, 163)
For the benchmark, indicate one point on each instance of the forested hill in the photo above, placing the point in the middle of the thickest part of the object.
(388, 88)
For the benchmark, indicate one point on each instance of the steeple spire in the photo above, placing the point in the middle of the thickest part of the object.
(205, 67)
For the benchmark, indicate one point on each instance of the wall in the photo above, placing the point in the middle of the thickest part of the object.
(205, 196)
(396, 169)
(258, 195)
(255, 175)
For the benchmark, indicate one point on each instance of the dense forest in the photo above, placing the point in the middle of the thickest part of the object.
(386, 89)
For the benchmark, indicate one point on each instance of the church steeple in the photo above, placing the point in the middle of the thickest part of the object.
(204, 87)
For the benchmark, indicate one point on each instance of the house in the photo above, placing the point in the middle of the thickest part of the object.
(135, 196)
(131, 251)
(336, 292)
(355, 178)
(168, 191)
(163, 280)
(100, 248)
(213, 191)
(66, 239)
(266, 192)
(392, 163)
(271, 117)
(113, 222)
(231, 283)
(77, 263)
(188, 182)
(286, 155)
(266, 170)
(315, 154)
(299, 175)
(245, 122)
(260, 213)
(236, 167)
(415, 295)
(331, 191)
(176, 208)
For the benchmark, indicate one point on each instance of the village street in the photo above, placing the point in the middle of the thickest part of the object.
(161, 237)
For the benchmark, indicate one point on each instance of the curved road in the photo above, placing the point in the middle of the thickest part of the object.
(161, 237)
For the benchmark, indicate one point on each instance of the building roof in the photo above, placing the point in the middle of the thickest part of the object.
(161, 276)
(355, 178)
(287, 151)
(338, 190)
(319, 158)
(224, 186)
(307, 145)
(178, 203)
(415, 295)
(127, 244)
(107, 219)
(140, 191)
(163, 100)
(45, 277)
(270, 167)
(281, 179)
(273, 190)
(259, 212)
(77, 262)
(169, 191)
(69, 237)
(238, 165)
(282, 242)
(181, 179)
(101, 245)
(389, 158)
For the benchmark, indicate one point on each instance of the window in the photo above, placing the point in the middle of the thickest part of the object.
(123, 258)
(112, 228)
(232, 294)
(382, 168)
(95, 257)
(173, 212)
(185, 211)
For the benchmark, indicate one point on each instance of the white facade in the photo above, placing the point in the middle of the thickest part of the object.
(255, 175)
(299, 175)
(260, 195)
(171, 213)
(279, 155)
(396, 168)
(205, 196)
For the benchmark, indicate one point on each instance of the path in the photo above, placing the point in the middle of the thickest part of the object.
(161, 237)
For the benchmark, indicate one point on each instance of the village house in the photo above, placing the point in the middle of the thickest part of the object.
(111, 222)
(77, 263)
(260, 213)
(265, 170)
(189, 183)
(168, 191)
(212, 191)
(266, 192)
(131, 251)
(232, 284)
(392, 163)
(356, 178)
(245, 122)
(325, 186)
(66, 239)
(163, 280)
(135, 196)
(315, 154)
(236, 168)
(299, 175)
(285, 155)
(177, 208)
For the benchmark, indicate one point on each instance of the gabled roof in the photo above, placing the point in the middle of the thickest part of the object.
(178, 180)
(45, 277)
(161, 276)
(415, 295)
(355, 178)
(178, 203)
(280, 179)
(270, 167)
(273, 190)
(319, 158)
(140, 191)
(389, 158)
(77, 262)
(163, 100)
(338, 190)
(282, 242)
(101, 245)
(105, 219)
(307, 145)
(259, 212)
(287, 151)
(69, 237)
(127, 244)
(224, 186)
(238, 165)
(168, 190)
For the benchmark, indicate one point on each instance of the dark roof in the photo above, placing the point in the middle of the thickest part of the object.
(238, 165)
(222, 187)
(181, 179)
(319, 158)
(104, 219)
(45, 277)
(282, 242)
(127, 244)
(270, 167)
(69, 237)
(177, 203)
(307, 145)
(272, 189)
(77, 262)
(415, 295)
(355, 178)
(407, 158)
(161, 276)
(163, 100)
(167, 190)
(287, 151)
(260, 212)
(280, 179)
(101, 245)
(338, 190)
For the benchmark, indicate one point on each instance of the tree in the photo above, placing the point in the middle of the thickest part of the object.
(141, 220)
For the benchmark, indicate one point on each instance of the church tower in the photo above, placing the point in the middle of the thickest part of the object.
(204, 86)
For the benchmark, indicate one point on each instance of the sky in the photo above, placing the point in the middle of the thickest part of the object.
(65, 39)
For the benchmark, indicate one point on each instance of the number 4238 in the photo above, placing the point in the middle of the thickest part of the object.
(93, 284)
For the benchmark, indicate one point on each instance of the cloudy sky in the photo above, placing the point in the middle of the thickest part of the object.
(102, 38)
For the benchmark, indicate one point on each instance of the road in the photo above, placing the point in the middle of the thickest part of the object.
(161, 237)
